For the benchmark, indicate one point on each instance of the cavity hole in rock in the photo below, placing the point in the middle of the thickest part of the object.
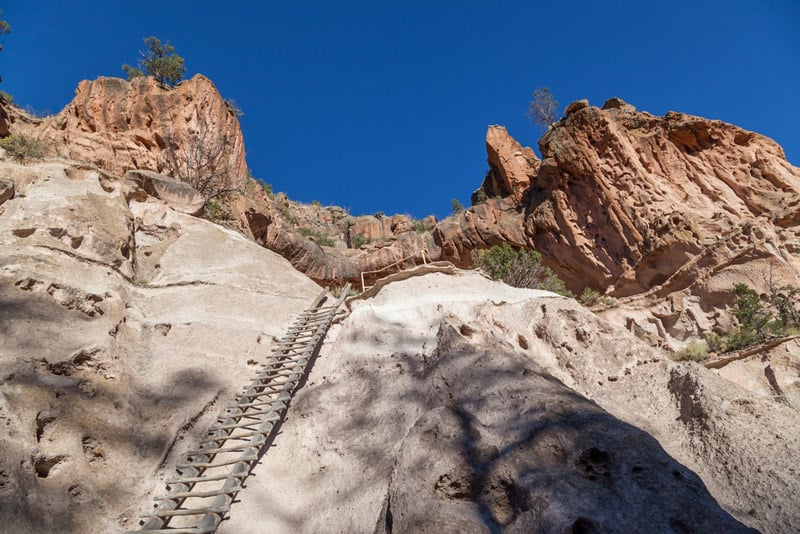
(23, 232)
(582, 526)
(44, 464)
(76, 242)
(466, 330)
(163, 328)
(593, 463)
(58, 233)
(41, 423)
(522, 342)
(28, 284)
(92, 449)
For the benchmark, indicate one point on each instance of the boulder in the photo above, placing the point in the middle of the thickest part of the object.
(511, 166)
(178, 195)
(617, 103)
(575, 106)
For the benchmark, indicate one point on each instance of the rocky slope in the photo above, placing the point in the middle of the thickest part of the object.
(453, 403)
(441, 401)
(117, 315)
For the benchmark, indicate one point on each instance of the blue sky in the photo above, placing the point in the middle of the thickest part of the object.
(379, 105)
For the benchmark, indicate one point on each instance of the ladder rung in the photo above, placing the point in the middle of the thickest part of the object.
(253, 414)
(242, 460)
(218, 450)
(274, 373)
(254, 404)
(193, 511)
(208, 478)
(170, 531)
(241, 424)
(197, 494)
(283, 395)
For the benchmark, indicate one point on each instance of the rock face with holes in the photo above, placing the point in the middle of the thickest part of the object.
(120, 125)
(629, 201)
(453, 403)
(117, 314)
(665, 214)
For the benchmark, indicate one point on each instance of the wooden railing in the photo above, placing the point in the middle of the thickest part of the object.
(420, 253)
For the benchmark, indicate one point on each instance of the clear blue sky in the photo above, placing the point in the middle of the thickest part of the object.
(379, 105)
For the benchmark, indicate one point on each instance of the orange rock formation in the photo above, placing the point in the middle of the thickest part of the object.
(121, 125)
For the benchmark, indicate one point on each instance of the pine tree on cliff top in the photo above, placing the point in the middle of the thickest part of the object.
(159, 61)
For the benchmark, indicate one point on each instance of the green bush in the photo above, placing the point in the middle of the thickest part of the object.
(357, 241)
(590, 297)
(289, 216)
(316, 203)
(7, 97)
(762, 318)
(213, 210)
(421, 227)
(518, 268)
(318, 237)
(456, 206)
(716, 343)
(695, 351)
(22, 148)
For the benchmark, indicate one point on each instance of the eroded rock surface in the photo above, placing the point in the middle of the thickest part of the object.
(123, 330)
(455, 403)
(121, 125)
(627, 201)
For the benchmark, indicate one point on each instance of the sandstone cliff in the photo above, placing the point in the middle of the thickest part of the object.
(117, 315)
(120, 125)
(626, 201)
(442, 401)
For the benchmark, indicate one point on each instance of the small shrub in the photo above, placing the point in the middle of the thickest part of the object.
(316, 203)
(7, 97)
(22, 148)
(480, 197)
(421, 227)
(457, 206)
(213, 210)
(378, 214)
(716, 343)
(519, 268)
(233, 106)
(357, 241)
(695, 351)
(267, 188)
(289, 216)
(317, 236)
(590, 297)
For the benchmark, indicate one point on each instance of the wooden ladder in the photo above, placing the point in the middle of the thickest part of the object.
(209, 477)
